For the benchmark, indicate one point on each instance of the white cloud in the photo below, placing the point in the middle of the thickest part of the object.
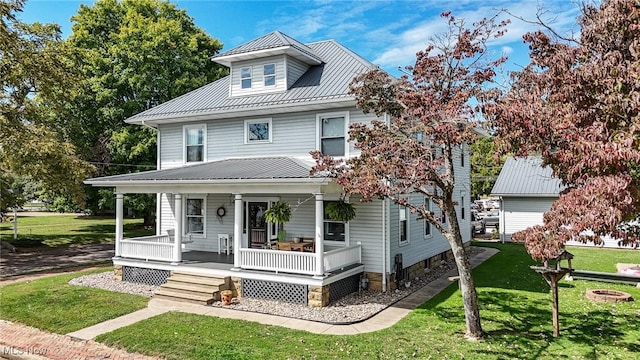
(406, 43)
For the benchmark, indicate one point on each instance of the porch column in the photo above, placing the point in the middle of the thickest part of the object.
(177, 248)
(237, 230)
(119, 221)
(319, 235)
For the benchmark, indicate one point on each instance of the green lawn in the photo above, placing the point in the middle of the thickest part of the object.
(603, 259)
(52, 304)
(516, 313)
(65, 230)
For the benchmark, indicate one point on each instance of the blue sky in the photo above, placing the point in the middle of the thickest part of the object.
(388, 33)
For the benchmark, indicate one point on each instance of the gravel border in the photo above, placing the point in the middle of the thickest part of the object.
(350, 309)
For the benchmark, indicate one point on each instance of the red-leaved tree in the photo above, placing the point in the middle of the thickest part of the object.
(426, 123)
(577, 105)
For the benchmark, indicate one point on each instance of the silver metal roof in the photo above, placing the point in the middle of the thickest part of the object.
(272, 40)
(526, 177)
(324, 83)
(231, 169)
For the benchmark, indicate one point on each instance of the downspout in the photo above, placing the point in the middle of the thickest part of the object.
(384, 245)
(384, 230)
(158, 195)
(501, 223)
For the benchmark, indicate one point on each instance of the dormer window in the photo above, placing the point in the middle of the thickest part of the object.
(269, 74)
(245, 77)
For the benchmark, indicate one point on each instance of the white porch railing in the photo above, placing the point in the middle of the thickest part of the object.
(278, 260)
(339, 258)
(298, 262)
(157, 247)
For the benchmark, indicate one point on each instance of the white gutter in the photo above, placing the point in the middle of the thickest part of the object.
(111, 183)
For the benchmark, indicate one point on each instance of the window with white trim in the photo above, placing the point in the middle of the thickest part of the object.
(403, 226)
(333, 230)
(245, 77)
(195, 216)
(333, 134)
(462, 206)
(195, 139)
(427, 224)
(257, 131)
(269, 72)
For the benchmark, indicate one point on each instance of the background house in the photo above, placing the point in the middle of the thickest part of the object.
(231, 149)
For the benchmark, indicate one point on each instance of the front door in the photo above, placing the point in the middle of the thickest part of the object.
(257, 225)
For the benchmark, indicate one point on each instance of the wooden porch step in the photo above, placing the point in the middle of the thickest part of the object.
(193, 288)
(176, 296)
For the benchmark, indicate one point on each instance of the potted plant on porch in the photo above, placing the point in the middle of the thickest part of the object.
(279, 213)
(340, 211)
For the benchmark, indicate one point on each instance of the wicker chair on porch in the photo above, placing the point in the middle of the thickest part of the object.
(258, 239)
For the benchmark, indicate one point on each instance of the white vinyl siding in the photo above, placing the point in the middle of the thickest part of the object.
(520, 213)
(256, 69)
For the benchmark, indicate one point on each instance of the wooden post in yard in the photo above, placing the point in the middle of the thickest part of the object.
(15, 224)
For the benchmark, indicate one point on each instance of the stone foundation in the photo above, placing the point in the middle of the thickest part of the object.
(117, 272)
(235, 285)
(318, 296)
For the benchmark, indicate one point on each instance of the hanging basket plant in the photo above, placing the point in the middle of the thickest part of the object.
(340, 211)
(279, 213)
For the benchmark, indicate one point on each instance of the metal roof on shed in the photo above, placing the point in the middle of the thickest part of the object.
(526, 177)
(325, 82)
(231, 169)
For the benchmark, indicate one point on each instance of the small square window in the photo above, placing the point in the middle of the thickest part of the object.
(270, 75)
(245, 77)
(257, 131)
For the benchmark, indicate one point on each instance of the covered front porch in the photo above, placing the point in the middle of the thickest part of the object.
(192, 215)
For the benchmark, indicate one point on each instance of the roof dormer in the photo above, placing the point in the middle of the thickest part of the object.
(271, 63)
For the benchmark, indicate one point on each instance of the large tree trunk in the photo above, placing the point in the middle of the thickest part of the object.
(467, 287)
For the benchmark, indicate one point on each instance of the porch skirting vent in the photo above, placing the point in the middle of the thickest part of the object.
(145, 276)
(344, 287)
(270, 290)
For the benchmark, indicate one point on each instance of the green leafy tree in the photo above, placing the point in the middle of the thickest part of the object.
(484, 167)
(34, 71)
(134, 54)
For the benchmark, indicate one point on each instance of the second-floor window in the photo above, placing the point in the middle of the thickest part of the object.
(245, 77)
(332, 135)
(269, 74)
(194, 140)
(257, 131)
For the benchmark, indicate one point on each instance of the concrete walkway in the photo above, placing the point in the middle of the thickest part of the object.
(24, 342)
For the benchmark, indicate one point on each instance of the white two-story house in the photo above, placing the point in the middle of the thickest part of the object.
(229, 150)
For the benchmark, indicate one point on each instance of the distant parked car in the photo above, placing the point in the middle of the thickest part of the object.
(492, 219)
(477, 225)
(479, 204)
(495, 204)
